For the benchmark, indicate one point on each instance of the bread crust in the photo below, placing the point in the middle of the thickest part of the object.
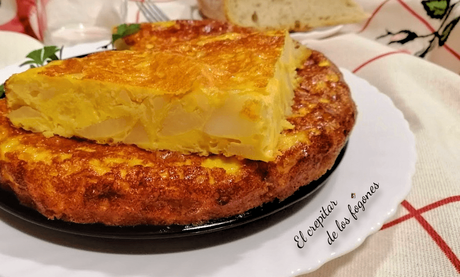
(292, 15)
(212, 9)
(72, 180)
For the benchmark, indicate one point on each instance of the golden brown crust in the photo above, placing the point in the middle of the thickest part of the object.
(190, 58)
(162, 35)
(60, 178)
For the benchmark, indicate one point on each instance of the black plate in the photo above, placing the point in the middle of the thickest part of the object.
(10, 204)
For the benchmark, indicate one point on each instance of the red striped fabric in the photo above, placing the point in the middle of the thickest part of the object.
(417, 214)
(373, 15)
(379, 57)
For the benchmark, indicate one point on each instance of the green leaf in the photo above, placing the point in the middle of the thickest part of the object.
(115, 37)
(54, 57)
(2, 90)
(41, 56)
(124, 30)
(436, 8)
(447, 30)
(131, 29)
(121, 28)
(27, 62)
(36, 56)
(49, 51)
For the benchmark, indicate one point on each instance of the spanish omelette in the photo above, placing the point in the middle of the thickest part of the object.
(83, 182)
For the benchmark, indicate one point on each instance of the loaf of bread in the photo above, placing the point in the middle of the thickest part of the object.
(293, 15)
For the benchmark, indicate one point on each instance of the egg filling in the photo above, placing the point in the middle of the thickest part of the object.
(228, 94)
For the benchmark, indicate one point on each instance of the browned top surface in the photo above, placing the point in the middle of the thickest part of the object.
(162, 35)
(186, 53)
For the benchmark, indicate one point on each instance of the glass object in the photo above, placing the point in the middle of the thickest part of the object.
(70, 22)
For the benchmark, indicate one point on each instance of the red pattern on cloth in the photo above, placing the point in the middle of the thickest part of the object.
(373, 15)
(14, 25)
(21, 23)
(378, 57)
(434, 235)
(417, 214)
(457, 55)
(409, 9)
(419, 17)
(422, 210)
